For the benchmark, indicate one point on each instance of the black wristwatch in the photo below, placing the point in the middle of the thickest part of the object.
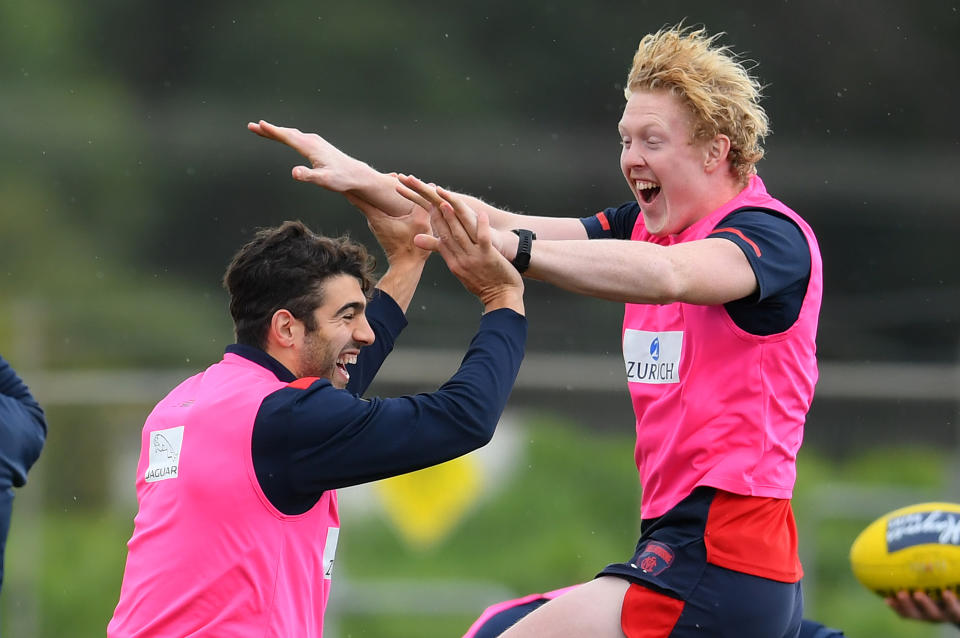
(522, 261)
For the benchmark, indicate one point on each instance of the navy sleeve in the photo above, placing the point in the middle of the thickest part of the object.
(307, 441)
(780, 257)
(23, 428)
(387, 321)
(612, 223)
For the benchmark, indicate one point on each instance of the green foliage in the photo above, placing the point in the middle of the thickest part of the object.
(588, 483)
(914, 466)
(73, 569)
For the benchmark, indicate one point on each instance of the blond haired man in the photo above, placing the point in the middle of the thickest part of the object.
(722, 286)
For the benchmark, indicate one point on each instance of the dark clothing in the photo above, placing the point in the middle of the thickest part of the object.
(298, 454)
(673, 565)
(502, 621)
(23, 430)
(772, 243)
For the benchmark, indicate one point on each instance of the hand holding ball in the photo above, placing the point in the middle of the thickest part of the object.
(912, 548)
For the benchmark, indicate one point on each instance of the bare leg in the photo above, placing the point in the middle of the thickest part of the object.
(593, 610)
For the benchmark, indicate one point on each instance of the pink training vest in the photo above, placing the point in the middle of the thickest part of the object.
(209, 555)
(715, 405)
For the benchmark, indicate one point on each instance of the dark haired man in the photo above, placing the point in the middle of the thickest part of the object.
(238, 524)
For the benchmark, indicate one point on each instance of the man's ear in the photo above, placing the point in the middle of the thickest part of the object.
(283, 330)
(718, 149)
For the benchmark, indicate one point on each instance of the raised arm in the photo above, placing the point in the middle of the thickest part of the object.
(709, 271)
(334, 170)
(544, 227)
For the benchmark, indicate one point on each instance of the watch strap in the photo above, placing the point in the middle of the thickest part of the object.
(522, 261)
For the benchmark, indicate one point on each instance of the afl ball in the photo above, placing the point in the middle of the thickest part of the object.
(912, 548)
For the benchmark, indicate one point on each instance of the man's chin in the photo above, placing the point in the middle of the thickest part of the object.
(654, 224)
(338, 379)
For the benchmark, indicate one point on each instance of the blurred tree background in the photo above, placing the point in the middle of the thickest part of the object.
(127, 180)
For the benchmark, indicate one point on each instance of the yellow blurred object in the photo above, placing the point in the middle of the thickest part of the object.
(912, 548)
(426, 505)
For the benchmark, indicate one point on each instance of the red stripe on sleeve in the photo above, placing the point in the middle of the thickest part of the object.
(737, 232)
(302, 383)
(604, 222)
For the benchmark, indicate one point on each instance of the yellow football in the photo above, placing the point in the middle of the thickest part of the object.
(912, 548)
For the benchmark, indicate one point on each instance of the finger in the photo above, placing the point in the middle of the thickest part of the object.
(483, 228)
(442, 243)
(927, 608)
(425, 191)
(261, 128)
(264, 128)
(903, 604)
(466, 215)
(951, 605)
(440, 225)
(458, 233)
(307, 174)
(426, 242)
(292, 137)
(414, 197)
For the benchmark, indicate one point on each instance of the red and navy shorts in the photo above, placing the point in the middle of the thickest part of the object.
(716, 564)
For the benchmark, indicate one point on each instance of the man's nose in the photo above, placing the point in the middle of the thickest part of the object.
(364, 333)
(633, 156)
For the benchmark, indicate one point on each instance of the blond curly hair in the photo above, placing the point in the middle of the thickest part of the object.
(712, 82)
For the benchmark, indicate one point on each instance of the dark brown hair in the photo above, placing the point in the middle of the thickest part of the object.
(286, 267)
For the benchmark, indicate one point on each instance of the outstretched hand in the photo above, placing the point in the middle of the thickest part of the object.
(462, 236)
(329, 167)
(431, 198)
(919, 606)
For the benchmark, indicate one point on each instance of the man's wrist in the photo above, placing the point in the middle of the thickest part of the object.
(409, 262)
(506, 297)
(359, 178)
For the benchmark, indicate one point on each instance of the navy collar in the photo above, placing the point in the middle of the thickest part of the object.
(261, 358)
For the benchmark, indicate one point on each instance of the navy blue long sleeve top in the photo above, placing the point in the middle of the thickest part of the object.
(23, 428)
(309, 440)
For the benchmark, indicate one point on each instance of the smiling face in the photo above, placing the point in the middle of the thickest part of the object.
(676, 181)
(341, 329)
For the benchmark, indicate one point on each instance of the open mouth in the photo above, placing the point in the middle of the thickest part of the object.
(342, 363)
(647, 191)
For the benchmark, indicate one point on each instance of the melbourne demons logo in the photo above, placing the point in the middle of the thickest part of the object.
(654, 558)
